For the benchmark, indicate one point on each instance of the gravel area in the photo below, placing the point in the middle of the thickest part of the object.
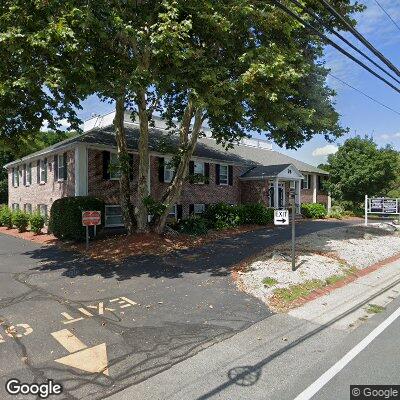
(320, 255)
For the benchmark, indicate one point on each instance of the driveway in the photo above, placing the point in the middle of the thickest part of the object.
(98, 328)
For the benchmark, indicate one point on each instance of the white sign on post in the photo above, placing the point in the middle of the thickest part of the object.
(281, 217)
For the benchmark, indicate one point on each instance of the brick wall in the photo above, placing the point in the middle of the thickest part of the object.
(254, 191)
(42, 193)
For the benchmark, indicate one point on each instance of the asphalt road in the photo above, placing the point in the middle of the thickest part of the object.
(98, 328)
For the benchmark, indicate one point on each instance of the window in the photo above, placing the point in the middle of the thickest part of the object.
(15, 177)
(28, 208)
(292, 185)
(113, 216)
(199, 208)
(60, 167)
(43, 171)
(169, 170)
(42, 208)
(173, 213)
(29, 174)
(223, 175)
(115, 172)
(15, 206)
(306, 182)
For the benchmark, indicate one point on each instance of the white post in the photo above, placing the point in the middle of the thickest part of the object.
(366, 210)
(276, 193)
(329, 201)
(298, 193)
(81, 170)
(314, 187)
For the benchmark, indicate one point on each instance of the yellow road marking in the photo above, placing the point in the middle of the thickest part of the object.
(68, 340)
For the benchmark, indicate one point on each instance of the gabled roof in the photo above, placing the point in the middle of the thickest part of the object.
(265, 170)
(162, 142)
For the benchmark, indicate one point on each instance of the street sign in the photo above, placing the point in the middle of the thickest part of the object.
(281, 217)
(381, 205)
(91, 218)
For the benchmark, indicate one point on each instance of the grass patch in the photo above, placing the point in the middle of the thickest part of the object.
(268, 281)
(294, 292)
(374, 309)
(331, 280)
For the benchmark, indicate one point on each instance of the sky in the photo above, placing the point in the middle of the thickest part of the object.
(361, 115)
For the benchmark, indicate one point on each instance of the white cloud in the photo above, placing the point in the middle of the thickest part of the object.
(389, 136)
(397, 134)
(384, 136)
(325, 150)
(64, 124)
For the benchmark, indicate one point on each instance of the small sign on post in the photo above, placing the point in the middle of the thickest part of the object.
(281, 217)
(90, 218)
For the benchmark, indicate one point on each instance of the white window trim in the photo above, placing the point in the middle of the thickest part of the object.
(292, 184)
(25, 207)
(39, 208)
(15, 206)
(305, 181)
(114, 178)
(105, 216)
(60, 177)
(166, 162)
(227, 174)
(174, 212)
(15, 177)
(203, 206)
(42, 166)
(203, 173)
(28, 168)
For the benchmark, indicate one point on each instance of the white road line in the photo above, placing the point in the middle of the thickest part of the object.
(336, 368)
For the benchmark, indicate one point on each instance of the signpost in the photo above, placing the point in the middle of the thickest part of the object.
(281, 217)
(381, 205)
(90, 218)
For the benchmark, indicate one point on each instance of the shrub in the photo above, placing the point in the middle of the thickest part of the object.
(193, 225)
(37, 222)
(313, 210)
(255, 213)
(66, 216)
(6, 217)
(20, 220)
(222, 216)
(336, 212)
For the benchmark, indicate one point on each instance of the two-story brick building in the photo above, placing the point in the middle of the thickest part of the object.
(80, 166)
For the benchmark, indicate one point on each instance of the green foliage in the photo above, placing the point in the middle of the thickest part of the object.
(222, 216)
(257, 214)
(36, 222)
(336, 212)
(154, 207)
(66, 216)
(20, 220)
(313, 210)
(6, 217)
(193, 225)
(268, 281)
(294, 292)
(359, 168)
(3, 190)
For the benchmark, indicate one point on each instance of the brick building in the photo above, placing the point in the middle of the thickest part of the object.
(80, 166)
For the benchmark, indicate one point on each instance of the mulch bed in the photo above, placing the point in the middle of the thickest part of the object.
(42, 238)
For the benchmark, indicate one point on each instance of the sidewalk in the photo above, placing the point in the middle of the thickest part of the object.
(262, 360)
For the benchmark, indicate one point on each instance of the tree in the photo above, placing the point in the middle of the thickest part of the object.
(360, 167)
(239, 64)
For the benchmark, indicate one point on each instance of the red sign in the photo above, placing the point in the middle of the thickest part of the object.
(91, 218)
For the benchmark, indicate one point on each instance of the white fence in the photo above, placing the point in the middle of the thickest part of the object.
(381, 205)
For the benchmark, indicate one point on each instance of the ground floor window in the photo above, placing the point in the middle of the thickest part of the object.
(113, 216)
(199, 208)
(15, 206)
(42, 208)
(28, 208)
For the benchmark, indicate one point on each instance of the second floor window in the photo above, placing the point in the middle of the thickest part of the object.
(115, 172)
(223, 175)
(169, 170)
(29, 174)
(43, 171)
(15, 177)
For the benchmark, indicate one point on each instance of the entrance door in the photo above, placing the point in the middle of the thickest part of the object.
(272, 197)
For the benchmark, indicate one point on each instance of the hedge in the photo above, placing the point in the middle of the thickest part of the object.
(20, 220)
(66, 216)
(313, 210)
(6, 217)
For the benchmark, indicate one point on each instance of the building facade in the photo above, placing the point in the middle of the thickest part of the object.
(85, 165)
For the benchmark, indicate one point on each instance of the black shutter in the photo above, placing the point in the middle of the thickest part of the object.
(207, 172)
(179, 212)
(56, 167)
(65, 163)
(161, 169)
(191, 209)
(106, 165)
(131, 167)
(24, 175)
(191, 172)
(13, 176)
(230, 175)
(309, 181)
(302, 183)
(217, 166)
(38, 171)
(45, 169)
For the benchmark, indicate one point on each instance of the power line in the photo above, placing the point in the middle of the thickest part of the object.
(333, 44)
(320, 20)
(394, 22)
(360, 37)
(364, 94)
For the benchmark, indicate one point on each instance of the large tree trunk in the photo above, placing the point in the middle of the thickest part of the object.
(125, 167)
(143, 188)
(174, 190)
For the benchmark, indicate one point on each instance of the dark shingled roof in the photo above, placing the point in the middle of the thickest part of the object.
(161, 142)
(265, 170)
